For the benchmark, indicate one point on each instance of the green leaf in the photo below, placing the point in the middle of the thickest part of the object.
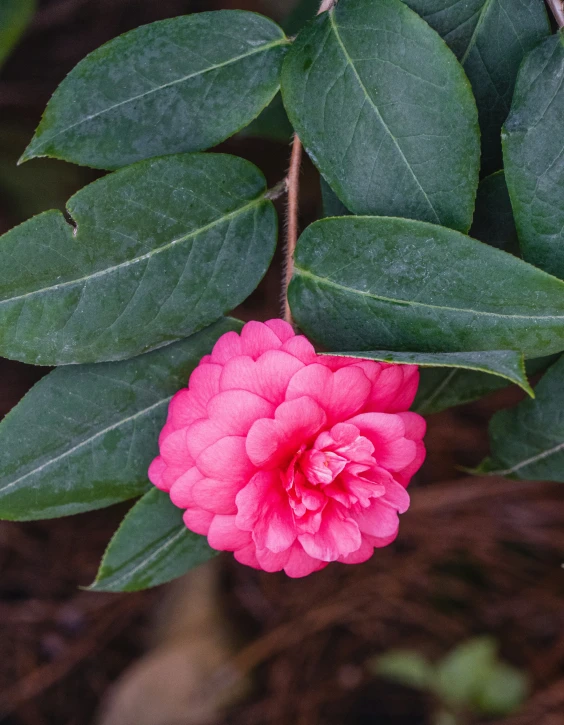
(385, 112)
(506, 364)
(15, 16)
(493, 219)
(441, 388)
(332, 205)
(490, 38)
(151, 547)
(527, 441)
(303, 11)
(380, 283)
(461, 674)
(503, 691)
(406, 667)
(272, 123)
(532, 150)
(183, 84)
(161, 249)
(84, 436)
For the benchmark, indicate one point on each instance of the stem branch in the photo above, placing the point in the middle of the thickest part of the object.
(557, 8)
(293, 186)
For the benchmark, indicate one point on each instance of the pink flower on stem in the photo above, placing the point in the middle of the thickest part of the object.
(288, 458)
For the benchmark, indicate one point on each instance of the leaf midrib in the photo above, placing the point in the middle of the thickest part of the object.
(117, 578)
(350, 62)
(412, 303)
(85, 442)
(136, 260)
(529, 461)
(170, 84)
(474, 37)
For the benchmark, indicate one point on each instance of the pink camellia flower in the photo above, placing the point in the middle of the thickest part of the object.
(288, 458)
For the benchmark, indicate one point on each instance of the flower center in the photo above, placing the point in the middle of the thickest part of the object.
(337, 466)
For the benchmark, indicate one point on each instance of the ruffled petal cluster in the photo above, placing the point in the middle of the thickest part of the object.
(288, 458)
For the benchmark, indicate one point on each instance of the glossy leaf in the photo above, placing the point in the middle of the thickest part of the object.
(15, 16)
(385, 112)
(527, 441)
(490, 38)
(506, 364)
(379, 283)
(533, 155)
(272, 124)
(303, 11)
(493, 219)
(182, 84)
(332, 205)
(84, 436)
(441, 388)
(161, 249)
(151, 547)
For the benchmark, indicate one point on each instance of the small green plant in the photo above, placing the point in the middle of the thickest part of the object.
(470, 681)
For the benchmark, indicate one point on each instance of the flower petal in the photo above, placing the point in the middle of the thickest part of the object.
(264, 510)
(257, 338)
(234, 411)
(226, 460)
(268, 376)
(301, 564)
(217, 496)
(386, 431)
(228, 346)
(224, 534)
(379, 520)
(341, 394)
(282, 329)
(272, 442)
(181, 489)
(198, 520)
(337, 536)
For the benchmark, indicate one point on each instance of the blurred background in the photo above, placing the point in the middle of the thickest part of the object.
(461, 621)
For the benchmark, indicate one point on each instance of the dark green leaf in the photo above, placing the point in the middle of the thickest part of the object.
(84, 436)
(527, 441)
(161, 249)
(506, 364)
(493, 219)
(183, 84)
(15, 16)
(385, 112)
(490, 38)
(332, 205)
(533, 152)
(440, 388)
(379, 283)
(272, 123)
(151, 547)
(303, 11)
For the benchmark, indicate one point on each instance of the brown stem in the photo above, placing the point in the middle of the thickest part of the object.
(557, 8)
(293, 186)
(293, 183)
